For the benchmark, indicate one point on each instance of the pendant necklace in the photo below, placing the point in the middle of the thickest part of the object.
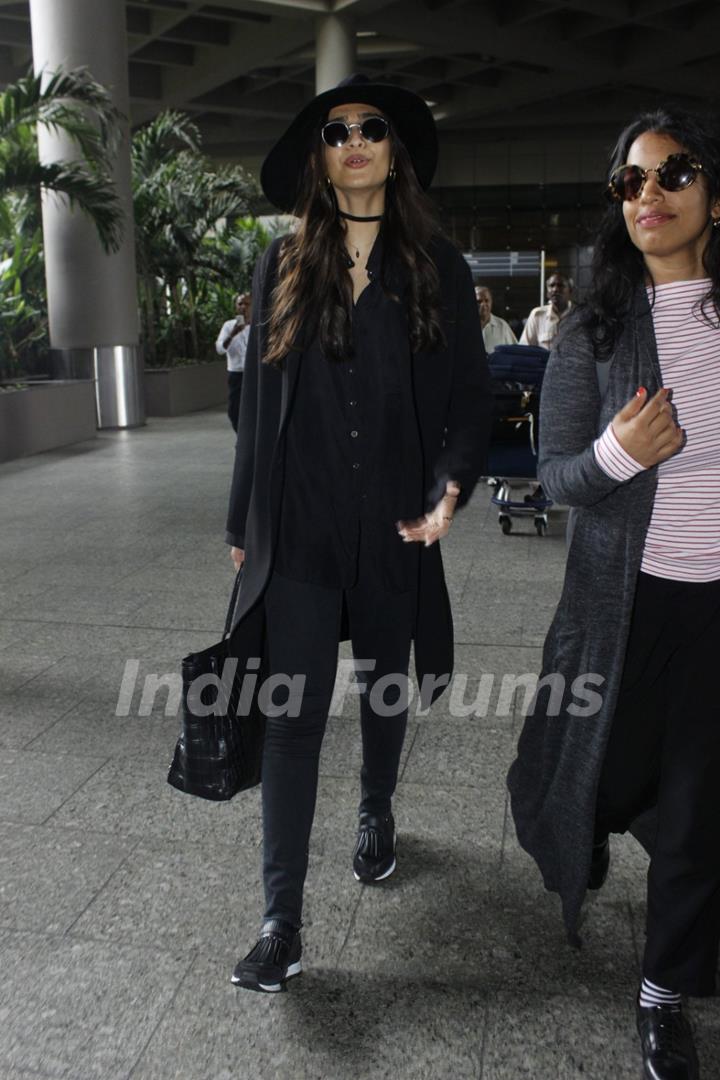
(356, 217)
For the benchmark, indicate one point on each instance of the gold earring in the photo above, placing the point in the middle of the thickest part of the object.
(392, 174)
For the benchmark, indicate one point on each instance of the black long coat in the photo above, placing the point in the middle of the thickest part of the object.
(451, 389)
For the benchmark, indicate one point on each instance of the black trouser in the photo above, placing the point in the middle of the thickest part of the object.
(303, 628)
(235, 381)
(664, 749)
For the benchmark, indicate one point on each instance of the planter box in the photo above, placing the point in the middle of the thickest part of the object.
(46, 415)
(174, 391)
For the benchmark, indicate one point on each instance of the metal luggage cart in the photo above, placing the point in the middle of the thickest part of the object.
(517, 372)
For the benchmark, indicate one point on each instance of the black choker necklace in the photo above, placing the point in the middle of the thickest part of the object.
(354, 217)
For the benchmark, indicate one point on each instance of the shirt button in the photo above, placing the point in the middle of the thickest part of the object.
(353, 434)
(351, 371)
(356, 464)
(353, 402)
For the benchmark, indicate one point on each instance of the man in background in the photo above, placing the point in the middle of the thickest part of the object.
(495, 330)
(544, 322)
(232, 342)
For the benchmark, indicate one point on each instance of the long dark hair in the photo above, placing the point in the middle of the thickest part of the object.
(618, 266)
(314, 289)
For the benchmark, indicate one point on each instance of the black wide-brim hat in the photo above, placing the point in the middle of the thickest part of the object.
(410, 117)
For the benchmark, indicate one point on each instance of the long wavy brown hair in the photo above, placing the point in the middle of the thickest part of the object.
(314, 290)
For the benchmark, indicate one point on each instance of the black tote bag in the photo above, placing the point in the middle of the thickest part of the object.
(219, 751)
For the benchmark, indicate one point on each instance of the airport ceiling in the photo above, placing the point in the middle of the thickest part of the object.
(492, 69)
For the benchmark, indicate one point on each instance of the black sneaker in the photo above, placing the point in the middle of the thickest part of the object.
(374, 854)
(668, 1048)
(273, 960)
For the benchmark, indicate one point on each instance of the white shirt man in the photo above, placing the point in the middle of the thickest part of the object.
(495, 330)
(543, 322)
(232, 342)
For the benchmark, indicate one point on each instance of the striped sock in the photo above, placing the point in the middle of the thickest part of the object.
(652, 995)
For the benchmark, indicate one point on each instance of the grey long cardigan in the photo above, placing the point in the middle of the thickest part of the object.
(553, 782)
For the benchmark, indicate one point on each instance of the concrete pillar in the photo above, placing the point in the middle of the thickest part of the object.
(335, 57)
(92, 297)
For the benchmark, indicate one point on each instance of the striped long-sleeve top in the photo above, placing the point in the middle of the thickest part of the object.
(683, 538)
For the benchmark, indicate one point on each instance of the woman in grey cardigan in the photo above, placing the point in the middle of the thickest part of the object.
(631, 441)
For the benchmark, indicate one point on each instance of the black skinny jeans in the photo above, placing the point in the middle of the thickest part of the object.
(664, 750)
(303, 629)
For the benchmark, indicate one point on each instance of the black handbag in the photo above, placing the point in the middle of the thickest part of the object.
(219, 751)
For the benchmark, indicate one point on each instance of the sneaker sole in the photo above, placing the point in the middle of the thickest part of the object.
(372, 880)
(268, 988)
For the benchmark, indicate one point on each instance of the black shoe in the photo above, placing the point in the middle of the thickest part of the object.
(273, 960)
(374, 854)
(600, 864)
(667, 1044)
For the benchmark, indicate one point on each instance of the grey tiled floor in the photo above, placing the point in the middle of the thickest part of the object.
(124, 904)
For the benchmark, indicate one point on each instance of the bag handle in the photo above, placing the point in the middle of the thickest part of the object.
(233, 602)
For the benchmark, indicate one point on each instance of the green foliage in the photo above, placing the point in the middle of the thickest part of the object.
(70, 102)
(195, 247)
(23, 317)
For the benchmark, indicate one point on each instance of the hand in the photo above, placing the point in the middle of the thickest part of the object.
(436, 524)
(238, 556)
(647, 430)
(239, 325)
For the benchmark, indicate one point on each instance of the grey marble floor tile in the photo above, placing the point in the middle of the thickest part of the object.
(456, 816)
(329, 1026)
(705, 1013)
(23, 718)
(547, 1036)
(74, 1008)
(11, 637)
(476, 753)
(32, 787)
(99, 605)
(608, 954)
(89, 730)
(50, 875)
(202, 615)
(19, 668)
(57, 639)
(496, 659)
(184, 897)
(132, 798)
(101, 677)
(447, 911)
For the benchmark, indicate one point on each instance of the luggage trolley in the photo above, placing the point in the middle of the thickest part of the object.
(517, 373)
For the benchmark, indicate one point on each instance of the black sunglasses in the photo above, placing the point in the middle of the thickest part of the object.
(337, 132)
(675, 173)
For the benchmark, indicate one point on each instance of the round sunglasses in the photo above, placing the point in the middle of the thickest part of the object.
(675, 173)
(373, 129)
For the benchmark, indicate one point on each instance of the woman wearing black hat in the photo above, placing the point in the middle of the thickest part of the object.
(364, 420)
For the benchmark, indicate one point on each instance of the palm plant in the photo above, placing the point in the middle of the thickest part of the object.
(182, 205)
(72, 103)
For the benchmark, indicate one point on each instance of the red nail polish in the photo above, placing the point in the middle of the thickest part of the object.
(640, 391)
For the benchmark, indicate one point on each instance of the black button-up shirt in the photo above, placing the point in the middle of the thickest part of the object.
(353, 456)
